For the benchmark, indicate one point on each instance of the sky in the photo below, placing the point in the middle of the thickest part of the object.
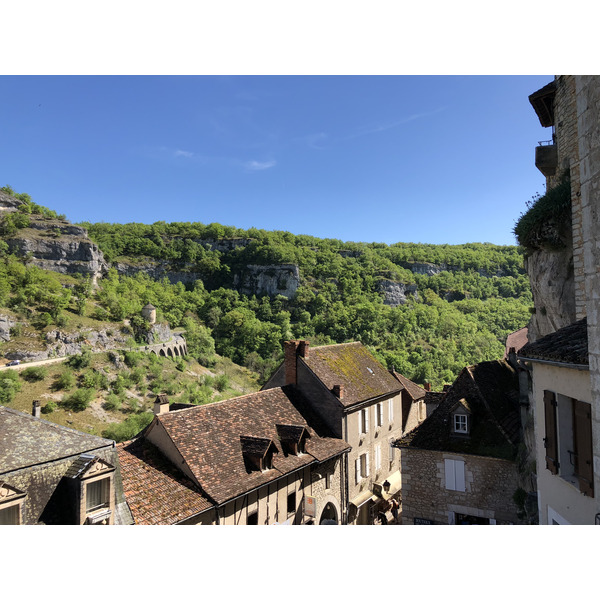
(433, 159)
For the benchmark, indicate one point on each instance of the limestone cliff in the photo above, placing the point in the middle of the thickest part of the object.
(268, 279)
(52, 243)
(395, 292)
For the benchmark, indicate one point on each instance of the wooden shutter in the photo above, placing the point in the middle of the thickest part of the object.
(551, 439)
(450, 478)
(391, 409)
(459, 475)
(367, 464)
(582, 436)
(366, 420)
(392, 452)
(377, 457)
(357, 465)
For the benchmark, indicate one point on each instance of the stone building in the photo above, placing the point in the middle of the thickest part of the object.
(53, 475)
(252, 460)
(361, 403)
(459, 465)
(564, 364)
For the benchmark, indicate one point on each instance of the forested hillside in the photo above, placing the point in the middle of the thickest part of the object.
(459, 315)
(426, 310)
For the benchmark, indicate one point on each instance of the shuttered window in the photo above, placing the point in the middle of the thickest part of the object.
(377, 457)
(357, 470)
(391, 410)
(455, 474)
(551, 438)
(392, 452)
(379, 413)
(363, 421)
(582, 438)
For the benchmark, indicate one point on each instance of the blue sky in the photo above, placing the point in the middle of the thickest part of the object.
(437, 159)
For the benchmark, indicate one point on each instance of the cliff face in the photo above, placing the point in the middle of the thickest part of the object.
(552, 280)
(53, 244)
(268, 279)
(395, 292)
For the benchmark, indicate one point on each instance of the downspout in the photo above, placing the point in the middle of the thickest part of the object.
(345, 491)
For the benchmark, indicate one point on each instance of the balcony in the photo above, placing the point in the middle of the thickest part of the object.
(546, 158)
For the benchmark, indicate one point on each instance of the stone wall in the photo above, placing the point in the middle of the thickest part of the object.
(490, 484)
(588, 105)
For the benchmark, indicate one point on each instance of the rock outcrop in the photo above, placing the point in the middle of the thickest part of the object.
(268, 279)
(54, 244)
(395, 292)
(6, 324)
(158, 270)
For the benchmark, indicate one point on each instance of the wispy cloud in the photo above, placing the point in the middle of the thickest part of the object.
(184, 153)
(255, 165)
(379, 127)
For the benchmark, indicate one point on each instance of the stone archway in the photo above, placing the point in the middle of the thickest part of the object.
(329, 514)
(170, 352)
(162, 352)
(175, 351)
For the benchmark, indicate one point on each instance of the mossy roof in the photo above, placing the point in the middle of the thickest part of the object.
(354, 367)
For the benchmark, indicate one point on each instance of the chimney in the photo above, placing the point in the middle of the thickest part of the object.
(161, 404)
(338, 391)
(303, 350)
(37, 409)
(427, 386)
(291, 349)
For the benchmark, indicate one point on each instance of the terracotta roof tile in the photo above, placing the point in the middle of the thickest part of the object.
(354, 367)
(209, 439)
(156, 491)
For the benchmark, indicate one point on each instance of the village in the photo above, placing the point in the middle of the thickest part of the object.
(334, 437)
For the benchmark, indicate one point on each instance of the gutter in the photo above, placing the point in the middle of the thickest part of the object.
(554, 363)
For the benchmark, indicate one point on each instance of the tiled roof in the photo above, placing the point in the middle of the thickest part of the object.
(491, 390)
(208, 437)
(156, 491)
(27, 440)
(416, 392)
(516, 339)
(354, 367)
(567, 345)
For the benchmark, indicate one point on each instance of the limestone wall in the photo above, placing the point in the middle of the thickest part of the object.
(490, 484)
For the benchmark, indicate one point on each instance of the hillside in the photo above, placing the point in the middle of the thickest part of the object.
(423, 309)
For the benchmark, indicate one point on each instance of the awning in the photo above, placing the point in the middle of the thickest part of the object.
(363, 498)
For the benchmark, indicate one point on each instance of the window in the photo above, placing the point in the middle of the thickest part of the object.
(10, 515)
(460, 424)
(97, 494)
(362, 467)
(391, 410)
(252, 518)
(392, 452)
(379, 414)
(364, 421)
(378, 457)
(327, 480)
(291, 502)
(568, 440)
(455, 474)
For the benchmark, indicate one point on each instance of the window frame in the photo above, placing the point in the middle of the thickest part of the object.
(463, 419)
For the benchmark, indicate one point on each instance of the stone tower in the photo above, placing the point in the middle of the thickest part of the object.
(149, 313)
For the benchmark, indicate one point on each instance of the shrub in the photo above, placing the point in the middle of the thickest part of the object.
(81, 361)
(65, 381)
(221, 383)
(79, 400)
(113, 401)
(95, 379)
(9, 386)
(32, 374)
(129, 428)
(50, 407)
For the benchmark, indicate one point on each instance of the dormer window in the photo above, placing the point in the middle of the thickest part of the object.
(257, 452)
(460, 424)
(461, 418)
(11, 504)
(293, 438)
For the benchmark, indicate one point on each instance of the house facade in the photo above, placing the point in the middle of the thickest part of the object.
(252, 460)
(54, 475)
(361, 403)
(459, 465)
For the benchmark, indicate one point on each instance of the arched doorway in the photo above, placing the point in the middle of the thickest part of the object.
(329, 514)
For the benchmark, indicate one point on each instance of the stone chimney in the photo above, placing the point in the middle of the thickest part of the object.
(338, 391)
(291, 349)
(303, 349)
(161, 404)
(427, 386)
(36, 411)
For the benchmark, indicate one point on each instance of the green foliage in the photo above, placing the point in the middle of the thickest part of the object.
(94, 379)
(129, 428)
(113, 401)
(9, 386)
(65, 381)
(82, 360)
(49, 407)
(32, 374)
(79, 400)
(543, 224)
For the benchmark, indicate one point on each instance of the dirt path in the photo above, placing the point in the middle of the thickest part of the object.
(37, 363)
